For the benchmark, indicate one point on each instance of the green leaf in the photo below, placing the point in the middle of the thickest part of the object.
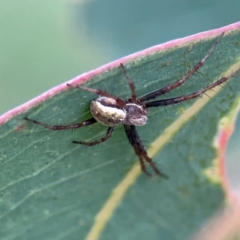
(53, 189)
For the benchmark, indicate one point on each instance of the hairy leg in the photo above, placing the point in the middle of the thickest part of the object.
(63, 127)
(140, 151)
(101, 93)
(175, 100)
(179, 82)
(131, 84)
(105, 138)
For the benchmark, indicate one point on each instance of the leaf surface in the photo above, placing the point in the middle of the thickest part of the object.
(53, 189)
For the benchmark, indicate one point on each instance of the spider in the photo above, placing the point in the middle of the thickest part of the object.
(111, 110)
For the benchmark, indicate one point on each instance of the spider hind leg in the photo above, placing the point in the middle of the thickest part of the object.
(103, 139)
(63, 127)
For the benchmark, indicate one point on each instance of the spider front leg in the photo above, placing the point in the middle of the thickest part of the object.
(63, 127)
(179, 82)
(105, 138)
(140, 151)
(175, 100)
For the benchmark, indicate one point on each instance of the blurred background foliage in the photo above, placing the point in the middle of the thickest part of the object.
(44, 43)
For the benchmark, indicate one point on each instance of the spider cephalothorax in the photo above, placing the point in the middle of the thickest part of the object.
(111, 110)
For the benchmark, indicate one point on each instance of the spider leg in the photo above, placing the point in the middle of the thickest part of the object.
(101, 93)
(131, 84)
(175, 100)
(179, 82)
(140, 151)
(60, 127)
(142, 165)
(105, 138)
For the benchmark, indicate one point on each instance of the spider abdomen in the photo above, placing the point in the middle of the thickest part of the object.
(106, 111)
